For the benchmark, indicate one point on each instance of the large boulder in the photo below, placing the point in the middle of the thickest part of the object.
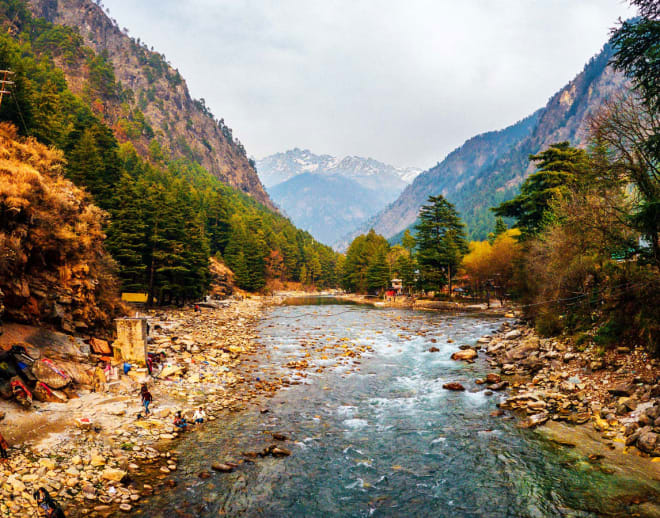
(465, 355)
(523, 350)
(647, 441)
(80, 373)
(50, 373)
(454, 385)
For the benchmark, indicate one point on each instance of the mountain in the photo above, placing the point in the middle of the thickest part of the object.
(326, 206)
(139, 94)
(368, 172)
(331, 196)
(489, 168)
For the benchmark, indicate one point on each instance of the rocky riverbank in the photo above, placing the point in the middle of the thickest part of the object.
(577, 396)
(98, 453)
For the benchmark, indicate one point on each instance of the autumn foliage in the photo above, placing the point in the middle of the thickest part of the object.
(491, 266)
(53, 267)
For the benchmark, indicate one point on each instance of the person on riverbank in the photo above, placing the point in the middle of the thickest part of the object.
(199, 416)
(180, 421)
(147, 398)
(4, 457)
(46, 505)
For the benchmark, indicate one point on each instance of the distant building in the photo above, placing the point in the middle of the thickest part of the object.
(397, 286)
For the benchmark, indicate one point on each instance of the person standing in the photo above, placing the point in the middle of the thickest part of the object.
(146, 398)
(3, 449)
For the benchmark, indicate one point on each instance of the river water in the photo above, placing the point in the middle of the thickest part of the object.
(381, 437)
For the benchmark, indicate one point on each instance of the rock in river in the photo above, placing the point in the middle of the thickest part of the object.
(224, 468)
(454, 385)
(534, 420)
(466, 355)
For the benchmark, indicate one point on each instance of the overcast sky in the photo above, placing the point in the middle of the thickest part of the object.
(403, 81)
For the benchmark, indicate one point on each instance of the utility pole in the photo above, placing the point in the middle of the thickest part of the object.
(4, 82)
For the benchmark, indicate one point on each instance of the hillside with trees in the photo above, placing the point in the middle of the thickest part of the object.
(132, 88)
(163, 215)
(489, 169)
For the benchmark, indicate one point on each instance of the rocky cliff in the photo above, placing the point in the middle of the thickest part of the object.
(150, 100)
(489, 168)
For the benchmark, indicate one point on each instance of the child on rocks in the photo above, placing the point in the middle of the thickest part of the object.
(199, 416)
(179, 421)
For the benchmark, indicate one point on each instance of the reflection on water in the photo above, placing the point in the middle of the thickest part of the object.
(384, 440)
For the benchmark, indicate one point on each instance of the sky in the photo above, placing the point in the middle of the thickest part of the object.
(404, 82)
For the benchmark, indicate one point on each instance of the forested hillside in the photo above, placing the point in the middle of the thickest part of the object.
(165, 215)
(489, 168)
(134, 89)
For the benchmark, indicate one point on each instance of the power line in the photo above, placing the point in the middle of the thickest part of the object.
(4, 83)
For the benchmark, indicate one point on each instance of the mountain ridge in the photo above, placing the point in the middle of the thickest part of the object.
(160, 106)
(489, 168)
(279, 167)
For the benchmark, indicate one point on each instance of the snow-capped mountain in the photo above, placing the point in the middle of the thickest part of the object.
(331, 196)
(367, 172)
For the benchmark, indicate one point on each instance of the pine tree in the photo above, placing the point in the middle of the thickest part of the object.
(560, 166)
(441, 242)
(378, 274)
(127, 236)
(408, 242)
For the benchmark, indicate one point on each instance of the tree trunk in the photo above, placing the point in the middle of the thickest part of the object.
(449, 277)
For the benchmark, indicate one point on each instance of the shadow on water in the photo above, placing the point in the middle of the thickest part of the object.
(382, 438)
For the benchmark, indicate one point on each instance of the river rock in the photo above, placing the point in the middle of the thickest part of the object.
(647, 440)
(278, 451)
(434, 350)
(223, 468)
(512, 335)
(465, 355)
(523, 350)
(454, 385)
(498, 386)
(534, 420)
(493, 378)
(621, 390)
(113, 475)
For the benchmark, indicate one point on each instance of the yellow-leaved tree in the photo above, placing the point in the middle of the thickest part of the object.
(490, 267)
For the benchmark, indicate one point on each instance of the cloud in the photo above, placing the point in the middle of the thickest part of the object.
(403, 82)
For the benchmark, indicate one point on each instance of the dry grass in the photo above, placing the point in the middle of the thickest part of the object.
(53, 267)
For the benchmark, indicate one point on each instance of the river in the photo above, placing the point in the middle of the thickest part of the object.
(381, 437)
